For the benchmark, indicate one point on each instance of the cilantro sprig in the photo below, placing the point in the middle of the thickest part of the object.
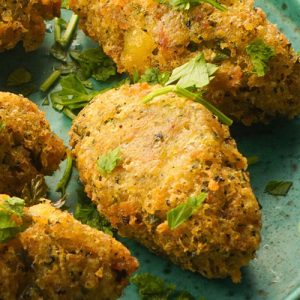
(260, 54)
(193, 75)
(182, 212)
(278, 188)
(109, 161)
(11, 212)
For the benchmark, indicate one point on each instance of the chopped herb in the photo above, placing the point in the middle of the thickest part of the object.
(87, 213)
(195, 73)
(260, 54)
(46, 85)
(154, 76)
(108, 162)
(252, 160)
(35, 191)
(11, 212)
(94, 63)
(18, 77)
(59, 24)
(62, 185)
(187, 4)
(59, 53)
(152, 287)
(182, 212)
(2, 126)
(65, 4)
(69, 32)
(278, 188)
(135, 77)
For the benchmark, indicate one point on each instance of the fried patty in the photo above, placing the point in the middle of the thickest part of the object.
(140, 34)
(23, 20)
(27, 145)
(57, 257)
(170, 149)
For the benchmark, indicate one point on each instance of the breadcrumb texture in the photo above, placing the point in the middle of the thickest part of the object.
(171, 149)
(57, 257)
(27, 145)
(23, 20)
(140, 34)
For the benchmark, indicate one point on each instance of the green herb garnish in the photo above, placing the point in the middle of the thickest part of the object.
(37, 189)
(2, 126)
(152, 287)
(46, 85)
(87, 213)
(182, 212)
(109, 161)
(278, 188)
(154, 76)
(18, 77)
(69, 32)
(195, 73)
(65, 4)
(11, 212)
(187, 4)
(62, 184)
(260, 54)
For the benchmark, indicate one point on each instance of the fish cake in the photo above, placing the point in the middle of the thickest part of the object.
(57, 257)
(27, 145)
(170, 149)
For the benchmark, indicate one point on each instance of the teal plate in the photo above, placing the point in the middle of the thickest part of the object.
(275, 273)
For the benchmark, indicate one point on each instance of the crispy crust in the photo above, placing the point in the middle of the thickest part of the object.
(171, 149)
(22, 20)
(57, 257)
(140, 34)
(27, 145)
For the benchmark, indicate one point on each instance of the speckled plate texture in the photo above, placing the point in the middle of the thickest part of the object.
(275, 273)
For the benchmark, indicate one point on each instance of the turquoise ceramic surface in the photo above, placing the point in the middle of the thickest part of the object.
(275, 273)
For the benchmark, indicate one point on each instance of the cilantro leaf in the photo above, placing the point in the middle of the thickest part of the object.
(154, 76)
(36, 190)
(18, 77)
(195, 73)
(260, 54)
(278, 188)
(11, 212)
(182, 212)
(109, 161)
(87, 213)
(152, 287)
(187, 4)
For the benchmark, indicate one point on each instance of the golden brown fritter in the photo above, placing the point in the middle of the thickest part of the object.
(140, 34)
(23, 20)
(57, 257)
(27, 145)
(170, 149)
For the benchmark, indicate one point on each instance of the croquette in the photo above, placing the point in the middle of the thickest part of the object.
(27, 145)
(142, 34)
(57, 257)
(23, 20)
(170, 149)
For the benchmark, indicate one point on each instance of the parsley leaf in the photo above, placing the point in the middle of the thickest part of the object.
(278, 188)
(195, 73)
(108, 162)
(154, 76)
(152, 287)
(37, 189)
(260, 54)
(11, 212)
(187, 4)
(182, 212)
(87, 213)
(94, 63)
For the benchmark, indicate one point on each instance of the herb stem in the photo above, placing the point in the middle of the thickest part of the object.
(68, 34)
(68, 112)
(57, 30)
(215, 4)
(50, 81)
(159, 92)
(61, 186)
